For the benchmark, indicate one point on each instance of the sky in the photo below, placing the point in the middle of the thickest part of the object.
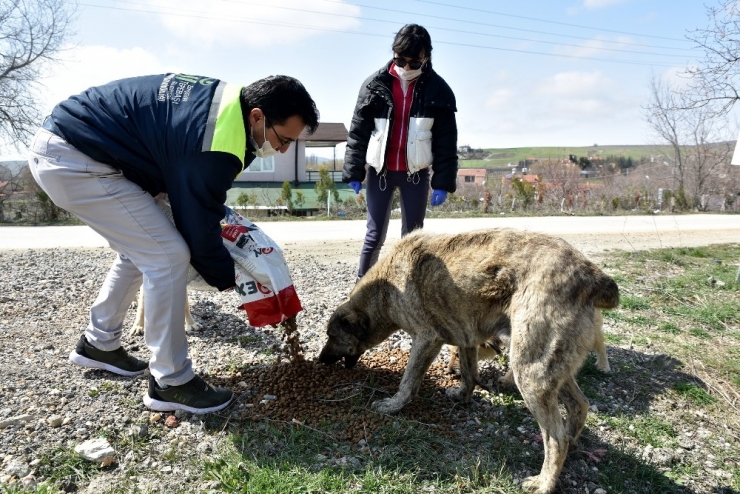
(524, 73)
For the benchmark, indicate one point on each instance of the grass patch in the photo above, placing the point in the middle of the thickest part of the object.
(694, 393)
(631, 302)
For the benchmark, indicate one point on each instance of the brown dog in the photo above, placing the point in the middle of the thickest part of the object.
(499, 345)
(457, 290)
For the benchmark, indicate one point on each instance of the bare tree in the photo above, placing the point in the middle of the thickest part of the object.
(32, 34)
(697, 140)
(14, 177)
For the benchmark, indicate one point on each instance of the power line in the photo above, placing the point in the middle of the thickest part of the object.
(468, 31)
(621, 43)
(199, 15)
(547, 21)
(517, 29)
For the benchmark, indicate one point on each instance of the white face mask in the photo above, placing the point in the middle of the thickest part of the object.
(407, 75)
(266, 150)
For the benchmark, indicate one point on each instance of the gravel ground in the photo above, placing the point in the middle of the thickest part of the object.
(44, 297)
(48, 403)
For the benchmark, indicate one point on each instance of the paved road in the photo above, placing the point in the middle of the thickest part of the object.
(589, 233)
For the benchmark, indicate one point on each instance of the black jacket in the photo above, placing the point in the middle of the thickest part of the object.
(432, 99)
(159, 131)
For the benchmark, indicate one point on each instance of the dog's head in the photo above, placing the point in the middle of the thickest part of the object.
(347, 331)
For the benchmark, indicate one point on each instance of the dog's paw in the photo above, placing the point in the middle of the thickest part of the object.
(192, 326)
(458, 394)
(137, 330)
(603, 365)
(387, 406)
(537, 485)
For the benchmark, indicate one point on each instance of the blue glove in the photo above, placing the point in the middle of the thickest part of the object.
(356, 186)
(438, 197)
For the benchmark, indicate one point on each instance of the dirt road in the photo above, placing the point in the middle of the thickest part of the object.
(342, 240)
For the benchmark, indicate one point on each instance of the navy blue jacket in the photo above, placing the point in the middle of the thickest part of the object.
(159, 131)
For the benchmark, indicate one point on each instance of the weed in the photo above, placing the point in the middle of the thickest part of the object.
(694, 393)
(630, 302)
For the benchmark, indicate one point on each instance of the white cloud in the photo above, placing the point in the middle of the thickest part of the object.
(565, 108)
(88, 66)
(239, 24)
(593, 5)
(600, 4)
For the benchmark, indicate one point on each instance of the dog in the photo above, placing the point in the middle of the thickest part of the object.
(458, 290)
(499, 345)
(137, 329)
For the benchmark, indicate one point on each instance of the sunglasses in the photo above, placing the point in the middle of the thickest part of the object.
(413, 64)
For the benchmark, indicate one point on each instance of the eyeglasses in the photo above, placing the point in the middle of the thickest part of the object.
(281, 141)
(413, 64)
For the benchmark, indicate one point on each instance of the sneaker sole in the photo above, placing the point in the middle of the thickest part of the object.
(83, 361)
(169, 406)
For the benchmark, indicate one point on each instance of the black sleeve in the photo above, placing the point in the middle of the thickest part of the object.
(444, 151)
(196, 187)
(358, 137)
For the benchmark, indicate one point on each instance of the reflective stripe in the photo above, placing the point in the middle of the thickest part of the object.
(225, 127)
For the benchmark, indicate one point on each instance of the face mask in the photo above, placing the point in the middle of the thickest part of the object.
(266, 150)
(407, 75)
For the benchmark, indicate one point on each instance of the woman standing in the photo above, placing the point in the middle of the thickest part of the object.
(403, 124)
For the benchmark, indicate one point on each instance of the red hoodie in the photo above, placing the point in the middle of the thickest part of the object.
(395, 157)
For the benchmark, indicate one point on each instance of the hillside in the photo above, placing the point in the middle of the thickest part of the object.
(498, 157)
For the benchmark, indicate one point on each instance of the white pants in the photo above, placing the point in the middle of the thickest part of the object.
(149, 247)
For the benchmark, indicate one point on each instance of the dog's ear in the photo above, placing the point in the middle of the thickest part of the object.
(349, 321)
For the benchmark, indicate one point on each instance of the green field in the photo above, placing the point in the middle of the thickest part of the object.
(503, 156)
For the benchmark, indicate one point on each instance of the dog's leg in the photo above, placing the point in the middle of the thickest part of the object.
(543, 357)
(423, 353)
(468, 375)
(453, 360)
(602, 361)
(190, 323)
(138, 328)
(576, 406)
(507, 380)
(542, 400)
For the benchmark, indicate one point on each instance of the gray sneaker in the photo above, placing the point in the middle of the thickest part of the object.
(195, 396)
(117, 361)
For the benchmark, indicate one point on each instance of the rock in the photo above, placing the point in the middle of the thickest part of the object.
(95, 450)
(54, 420)
(171, 422)
(29, 482)
(18, 419)
(17, 469)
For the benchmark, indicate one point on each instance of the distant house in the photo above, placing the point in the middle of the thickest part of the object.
(531, 179)
(264, 178)
(291, 165)
(471, 176)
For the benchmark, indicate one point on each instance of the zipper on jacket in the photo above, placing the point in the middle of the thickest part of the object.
(413, 93)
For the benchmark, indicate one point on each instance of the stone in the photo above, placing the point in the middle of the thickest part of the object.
(95, 450)
(18, 419)
(54, 420)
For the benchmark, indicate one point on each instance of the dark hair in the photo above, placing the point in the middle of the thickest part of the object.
(411, 40)
(281, 97)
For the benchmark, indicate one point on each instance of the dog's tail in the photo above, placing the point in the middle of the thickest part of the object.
(605, 293)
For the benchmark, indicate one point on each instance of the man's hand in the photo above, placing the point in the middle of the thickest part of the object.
(356, 186)
(438, 197)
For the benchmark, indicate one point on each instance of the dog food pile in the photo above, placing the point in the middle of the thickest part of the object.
(309, 392)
